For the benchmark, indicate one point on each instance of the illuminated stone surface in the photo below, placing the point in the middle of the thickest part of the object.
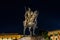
(0, 38)
(4, 38)
(32, 38)
(25, 38)
(9, 39)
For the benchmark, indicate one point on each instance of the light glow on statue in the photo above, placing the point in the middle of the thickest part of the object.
(30, 20)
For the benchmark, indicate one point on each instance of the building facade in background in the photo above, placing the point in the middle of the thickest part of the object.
(54, 35)
(10, 36)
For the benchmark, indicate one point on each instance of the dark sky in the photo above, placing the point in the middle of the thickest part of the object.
(12, 14)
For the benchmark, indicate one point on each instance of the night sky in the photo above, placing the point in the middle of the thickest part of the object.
(12, 14)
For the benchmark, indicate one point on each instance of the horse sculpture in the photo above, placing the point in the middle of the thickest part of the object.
(30, 20)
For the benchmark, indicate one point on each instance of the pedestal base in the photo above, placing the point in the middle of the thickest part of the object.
(32, 38)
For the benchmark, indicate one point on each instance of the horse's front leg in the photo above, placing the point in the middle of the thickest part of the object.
(33, 30)
(30, 31)
(24, 30)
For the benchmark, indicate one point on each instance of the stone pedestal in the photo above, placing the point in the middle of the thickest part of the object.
(32, 38)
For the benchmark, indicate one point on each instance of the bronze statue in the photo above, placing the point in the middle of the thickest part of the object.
(30, 20)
